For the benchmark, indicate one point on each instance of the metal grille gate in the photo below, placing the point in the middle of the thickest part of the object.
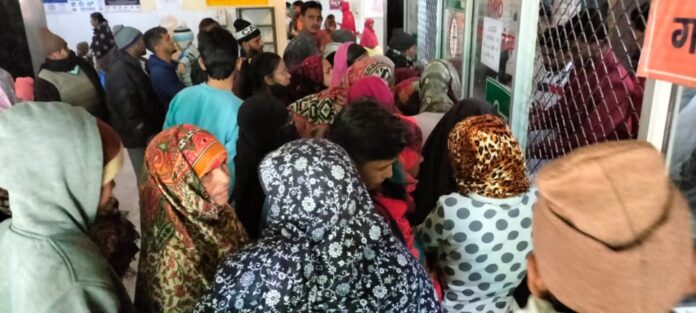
(586, 88)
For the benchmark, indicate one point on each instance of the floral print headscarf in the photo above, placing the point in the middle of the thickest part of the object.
(185, 235)
(366, 67)
(325, 248)
(486, 158)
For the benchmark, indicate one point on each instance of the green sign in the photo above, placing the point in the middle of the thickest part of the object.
(455, 4)
(499, 95)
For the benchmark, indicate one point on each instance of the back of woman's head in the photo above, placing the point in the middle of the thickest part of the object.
(368, 132)
(355, 51)
(97, 16)
(260, 67)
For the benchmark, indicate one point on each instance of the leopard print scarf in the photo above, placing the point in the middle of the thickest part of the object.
(486, 158)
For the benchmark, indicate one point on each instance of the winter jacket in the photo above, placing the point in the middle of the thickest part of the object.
(48, 262)
(134, 109)
(46, 89)
(165, 81)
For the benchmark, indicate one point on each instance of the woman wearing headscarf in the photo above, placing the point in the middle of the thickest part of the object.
(263, 127)
(346, 55)
(267, 74)
(307, 78)
(436, 178)
(187, 225)
(365, 67)
(313, 114)
(103, 44)
(49, 262)
(348, 22)
(325, 248)
(375, 88)
(440, 87)
(369, 38)
(482, 232)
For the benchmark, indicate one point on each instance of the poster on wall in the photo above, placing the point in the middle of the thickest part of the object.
(335, 4)
(56, 6)
(122, 5)
(85, 5)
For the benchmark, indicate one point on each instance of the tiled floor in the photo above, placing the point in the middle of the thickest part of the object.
(127, 194)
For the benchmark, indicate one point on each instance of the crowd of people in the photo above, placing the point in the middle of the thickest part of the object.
(332, 179)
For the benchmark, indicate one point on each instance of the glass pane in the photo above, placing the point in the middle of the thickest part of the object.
(495, 36)
(453, 33)
(682, 166)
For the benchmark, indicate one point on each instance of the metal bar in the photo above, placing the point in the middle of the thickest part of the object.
(653, 118)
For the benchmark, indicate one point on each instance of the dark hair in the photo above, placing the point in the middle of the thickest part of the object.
(153, 36)
(297, 3)
(355, 51)
(254, 73)
(587, 24)
(219, 52)
(331, 58)
(287, 5)
(368, 132)
(97, 17)
(639, 16)
(205, 23)
(310, 5)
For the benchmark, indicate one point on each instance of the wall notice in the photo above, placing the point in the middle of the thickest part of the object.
(491, 43)
(122, 5)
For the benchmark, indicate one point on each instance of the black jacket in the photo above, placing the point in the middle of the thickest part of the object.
(399, 59)
(46, 91)
(134, 109)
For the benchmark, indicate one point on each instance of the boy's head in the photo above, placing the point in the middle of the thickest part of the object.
(218, 50)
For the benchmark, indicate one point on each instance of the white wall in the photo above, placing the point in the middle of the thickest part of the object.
(75, 26)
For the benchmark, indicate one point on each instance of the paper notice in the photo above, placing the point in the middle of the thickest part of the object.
(492, 42)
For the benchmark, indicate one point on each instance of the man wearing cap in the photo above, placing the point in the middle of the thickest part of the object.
(307, 42)
(402, 49)
(611, 233)
(67, 78)
(187, 54)
(135, 111)
(248, 37)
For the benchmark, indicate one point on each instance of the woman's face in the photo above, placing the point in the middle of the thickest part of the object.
(217, 184)
(326, 68)
(93, 22)
(374, 173)
(281, 75)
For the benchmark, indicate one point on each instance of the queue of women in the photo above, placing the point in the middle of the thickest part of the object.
(355, 187)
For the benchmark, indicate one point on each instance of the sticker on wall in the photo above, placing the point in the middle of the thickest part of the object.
(122, 5)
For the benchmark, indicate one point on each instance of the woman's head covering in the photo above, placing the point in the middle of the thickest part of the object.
(340, 65)
(325, 247)
(51, 192)
(308, 77)
(436, 174)
(24, 88)
(486, 158)
(375, 88)
(262, 123)
(320, 108)
(384, 60)
(369, 38)
(7, 90)
(440, 87)
(407, 97)
(404, 73)
(367, 67)
(183, 230)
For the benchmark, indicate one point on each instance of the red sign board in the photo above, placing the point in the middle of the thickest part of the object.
(669, 50)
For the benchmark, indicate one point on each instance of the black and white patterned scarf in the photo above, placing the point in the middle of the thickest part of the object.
(325, 248)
